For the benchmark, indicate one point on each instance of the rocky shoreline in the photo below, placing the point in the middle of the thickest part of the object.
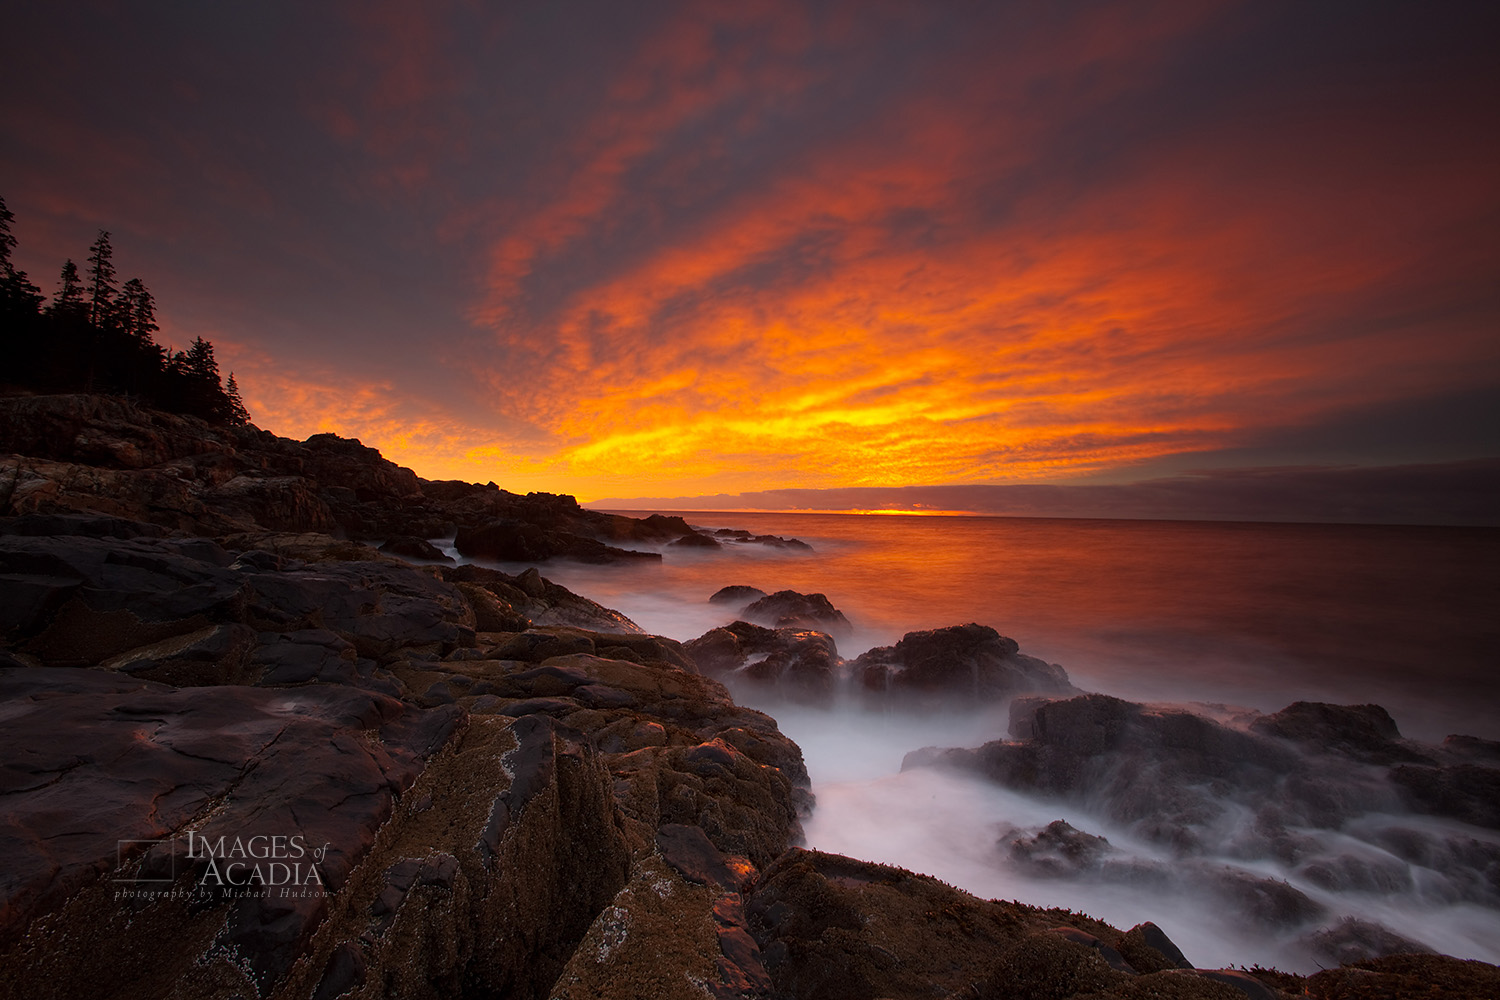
(248, 754)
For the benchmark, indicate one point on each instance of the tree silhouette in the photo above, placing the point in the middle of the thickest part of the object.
(69, 297)
(137, 310)
(100, 338)
(18, 296)
(237, 412)
(102, 289)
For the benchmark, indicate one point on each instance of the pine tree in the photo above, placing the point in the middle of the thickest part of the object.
(7, 239)
(69, 297)
(102, 289)
(18, 296)
(137, 311)
(237, 412)
(199, 363)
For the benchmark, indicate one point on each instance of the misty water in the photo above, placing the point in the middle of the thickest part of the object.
(1236, 618)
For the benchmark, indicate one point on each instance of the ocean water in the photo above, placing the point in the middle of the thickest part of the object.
(1226, 615)
(1254, 614)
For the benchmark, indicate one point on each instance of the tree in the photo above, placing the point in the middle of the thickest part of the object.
(69, 297)
(237, 412)
(199, 363)
(7, 239)
(102, 289)
(137, 311)
(18, 295)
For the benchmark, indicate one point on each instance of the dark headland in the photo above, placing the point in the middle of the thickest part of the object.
(248, 754)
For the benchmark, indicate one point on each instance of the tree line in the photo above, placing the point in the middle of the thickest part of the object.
(96, 335)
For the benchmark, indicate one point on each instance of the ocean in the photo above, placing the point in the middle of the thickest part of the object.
(1227, 616)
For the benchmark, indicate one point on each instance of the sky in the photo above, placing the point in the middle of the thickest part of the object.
(681, 249)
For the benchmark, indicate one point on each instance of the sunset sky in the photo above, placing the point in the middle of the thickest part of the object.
(654, 250)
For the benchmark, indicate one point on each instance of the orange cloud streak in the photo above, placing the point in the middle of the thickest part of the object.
(795, 334)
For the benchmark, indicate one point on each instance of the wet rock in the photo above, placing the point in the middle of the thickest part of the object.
(87, 525)
(540, 601)
(1172, 776)
(739, 536)
(513, 540)
(1467, 792)
(138, 761)
(961, 660)
(76, 600)
(1353, 940)
(789, 609)
(491, 612)
(739, 596)
(1057, 849)
(215, 654)
(805, 662)
(1364, 732)
(694, 540)
(1244, 984)
(1472, 748)
(1147, 948)
(689, 851)
(410, 547)
(280, 503)
(1266, 901)
(1408, 976)
(1048, 966)
(1111, 957)
(1351, 872)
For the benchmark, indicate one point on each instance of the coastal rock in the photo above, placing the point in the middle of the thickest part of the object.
(1364, 732)
(972, 661)
(410, 547)
(740, 596)
(739, 536)
(336, 461)
(805, 662)
(512, 540)
(1353, 940)
(281, 503)
(1407, 976)
(694, 540)
(512, 790)
(789, 609)
(540, 601)
(1056, 849)
(1467, 792)
(1148, 949)
(134, 761)
(830, 926)
(102, 431)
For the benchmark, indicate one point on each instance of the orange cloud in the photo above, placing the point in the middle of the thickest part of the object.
(938, 295)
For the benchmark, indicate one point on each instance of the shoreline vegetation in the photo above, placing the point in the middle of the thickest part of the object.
(248, 753)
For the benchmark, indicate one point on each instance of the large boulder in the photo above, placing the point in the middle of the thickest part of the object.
(1365, 732)
(967, 661)
(789, 609)
(803, 663)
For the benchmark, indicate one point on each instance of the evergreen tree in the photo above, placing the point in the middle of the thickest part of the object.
(7, 239)
(199, 362)
(237, 412)
(18, 296)
(137, 311)
(102, 289)
(69, 297)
